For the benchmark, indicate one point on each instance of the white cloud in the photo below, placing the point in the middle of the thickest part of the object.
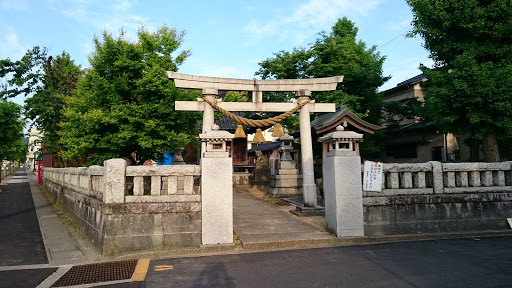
(75, 13)
(129, 23)
(306, 19)
(112, 20)
(122, 5)
(11, 45)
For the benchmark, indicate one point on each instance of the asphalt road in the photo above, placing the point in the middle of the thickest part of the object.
(21, 242)
(474, 262)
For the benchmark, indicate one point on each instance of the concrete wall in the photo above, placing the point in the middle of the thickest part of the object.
(136, 208)
(440, 197)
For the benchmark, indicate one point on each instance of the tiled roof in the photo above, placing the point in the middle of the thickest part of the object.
(328, 116)
(415, 126)
(265, 147)
(404, 84)
(414, 79)
(225, 123)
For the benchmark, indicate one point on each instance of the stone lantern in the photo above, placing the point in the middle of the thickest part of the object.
(216, 142)
(342, 143)
(343, 183)
(286, 180)
(216, 188)
(286, 147)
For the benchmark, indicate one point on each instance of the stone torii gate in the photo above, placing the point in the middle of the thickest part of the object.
(302, 88)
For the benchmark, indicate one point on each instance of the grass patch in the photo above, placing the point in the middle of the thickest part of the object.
(61, 212)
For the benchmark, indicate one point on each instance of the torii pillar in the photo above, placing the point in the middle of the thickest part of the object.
(302, 88)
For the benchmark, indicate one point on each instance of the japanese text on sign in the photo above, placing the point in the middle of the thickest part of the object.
(372, 178)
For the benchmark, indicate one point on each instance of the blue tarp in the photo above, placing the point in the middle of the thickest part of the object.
(168, 158)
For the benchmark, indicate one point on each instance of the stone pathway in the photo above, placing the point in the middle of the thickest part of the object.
(258, 224)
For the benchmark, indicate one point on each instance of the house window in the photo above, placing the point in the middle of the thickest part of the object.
(437, 153)
(402, 151)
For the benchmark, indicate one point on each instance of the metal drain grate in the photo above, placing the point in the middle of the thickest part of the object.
(98, 272)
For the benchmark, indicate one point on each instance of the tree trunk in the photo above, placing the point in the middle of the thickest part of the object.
(491, 151)
(474, 150)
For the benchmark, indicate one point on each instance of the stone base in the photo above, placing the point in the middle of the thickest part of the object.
(287, 184)
(309, 211)
(281, 191)
(302, 210)
(261, 176)
(242, 179)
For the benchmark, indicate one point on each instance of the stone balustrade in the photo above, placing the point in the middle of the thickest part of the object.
(174, 183)
(440, 197)
(407, 178)
(477, 177)
(84, 180)
(444, 178)
(123, 208)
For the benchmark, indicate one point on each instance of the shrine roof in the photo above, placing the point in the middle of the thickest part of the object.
(225, 123)
(265, 146)
(329, 121)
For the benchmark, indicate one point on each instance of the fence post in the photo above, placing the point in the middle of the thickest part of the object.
(437, 177)
(115, 178)
(343, 187)
(216, 188)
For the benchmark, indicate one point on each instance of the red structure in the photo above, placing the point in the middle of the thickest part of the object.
(39, 164)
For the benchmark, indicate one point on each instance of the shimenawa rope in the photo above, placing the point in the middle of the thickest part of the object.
(253, 122)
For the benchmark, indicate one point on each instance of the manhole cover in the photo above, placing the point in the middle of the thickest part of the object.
(98, 272)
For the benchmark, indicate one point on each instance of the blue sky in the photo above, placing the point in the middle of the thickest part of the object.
(227, 38)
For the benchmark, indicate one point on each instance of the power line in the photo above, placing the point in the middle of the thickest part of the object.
(392, 40)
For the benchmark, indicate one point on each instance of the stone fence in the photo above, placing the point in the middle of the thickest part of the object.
(440, 197)
(123, 208)
(7, 169)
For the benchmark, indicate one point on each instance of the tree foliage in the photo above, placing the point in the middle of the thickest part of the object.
(123, 106)
(469, 86)
(333, 54)
(46, 106)
(24, 76)
(44, 81)
(11, 129)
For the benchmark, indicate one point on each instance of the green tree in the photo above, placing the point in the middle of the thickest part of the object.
(469, 85)
(11, 131)
(123, 106)
(46, 106)
(333, 54)
(24, 76)
(44, 81)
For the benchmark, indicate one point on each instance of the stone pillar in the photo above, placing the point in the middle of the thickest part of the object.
(437, 172)
(114, 179)
(343, 184)
(306, 148)
(216, 188)
(208, 113)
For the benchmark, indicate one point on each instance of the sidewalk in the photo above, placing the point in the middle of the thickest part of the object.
(62, 243)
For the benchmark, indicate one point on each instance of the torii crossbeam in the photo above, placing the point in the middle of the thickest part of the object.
(302, 88)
